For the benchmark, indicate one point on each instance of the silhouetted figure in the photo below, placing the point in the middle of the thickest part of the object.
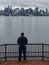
(22, 41)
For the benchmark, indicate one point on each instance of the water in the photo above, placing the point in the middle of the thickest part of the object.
(36, 28)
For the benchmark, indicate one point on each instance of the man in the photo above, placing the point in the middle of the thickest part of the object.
(22, 41)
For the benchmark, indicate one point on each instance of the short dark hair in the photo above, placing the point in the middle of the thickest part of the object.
(22, 34)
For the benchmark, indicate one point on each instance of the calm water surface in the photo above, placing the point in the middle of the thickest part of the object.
(35, 28)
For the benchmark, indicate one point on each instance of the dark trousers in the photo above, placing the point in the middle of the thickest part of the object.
(22, 49)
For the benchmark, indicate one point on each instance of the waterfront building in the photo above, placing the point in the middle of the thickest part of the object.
(36, 11)
(27, 12)
(8, 11)
(15, 11)
(47, 13)
(22, 11)
(30, 11)
(42, 12)
(46, 10)
(0, 12)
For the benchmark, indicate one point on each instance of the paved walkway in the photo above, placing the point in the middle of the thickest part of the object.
(25, 63)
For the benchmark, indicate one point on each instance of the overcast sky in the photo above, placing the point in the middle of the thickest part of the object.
(38, 3)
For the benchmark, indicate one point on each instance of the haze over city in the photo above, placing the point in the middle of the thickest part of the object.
(24, 3)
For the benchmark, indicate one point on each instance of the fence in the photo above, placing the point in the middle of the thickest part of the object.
(34, 51)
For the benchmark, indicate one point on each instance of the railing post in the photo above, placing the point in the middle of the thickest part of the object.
(42, 51)
(5, 52)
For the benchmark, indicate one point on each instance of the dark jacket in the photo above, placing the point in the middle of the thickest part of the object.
(22, 41)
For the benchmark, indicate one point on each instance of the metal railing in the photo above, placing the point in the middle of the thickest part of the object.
(34, 51)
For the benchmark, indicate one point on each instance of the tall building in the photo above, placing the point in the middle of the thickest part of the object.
(46, 10)
(8, 10)
(36, 10)
(16, 11)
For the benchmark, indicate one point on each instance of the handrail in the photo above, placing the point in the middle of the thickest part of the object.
(27, 44)
(36, 50)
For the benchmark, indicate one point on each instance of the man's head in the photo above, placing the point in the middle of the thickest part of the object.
(22, 34)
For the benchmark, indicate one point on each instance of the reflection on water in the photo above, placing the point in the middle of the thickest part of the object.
(35, 28)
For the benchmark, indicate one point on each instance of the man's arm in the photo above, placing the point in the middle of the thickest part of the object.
(26, 41)
(18, 41)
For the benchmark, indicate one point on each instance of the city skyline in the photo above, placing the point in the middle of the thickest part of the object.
(8, 11)
(25, 3)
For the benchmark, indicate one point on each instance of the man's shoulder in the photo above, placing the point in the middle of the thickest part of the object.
(25, 37)
(22, 37)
